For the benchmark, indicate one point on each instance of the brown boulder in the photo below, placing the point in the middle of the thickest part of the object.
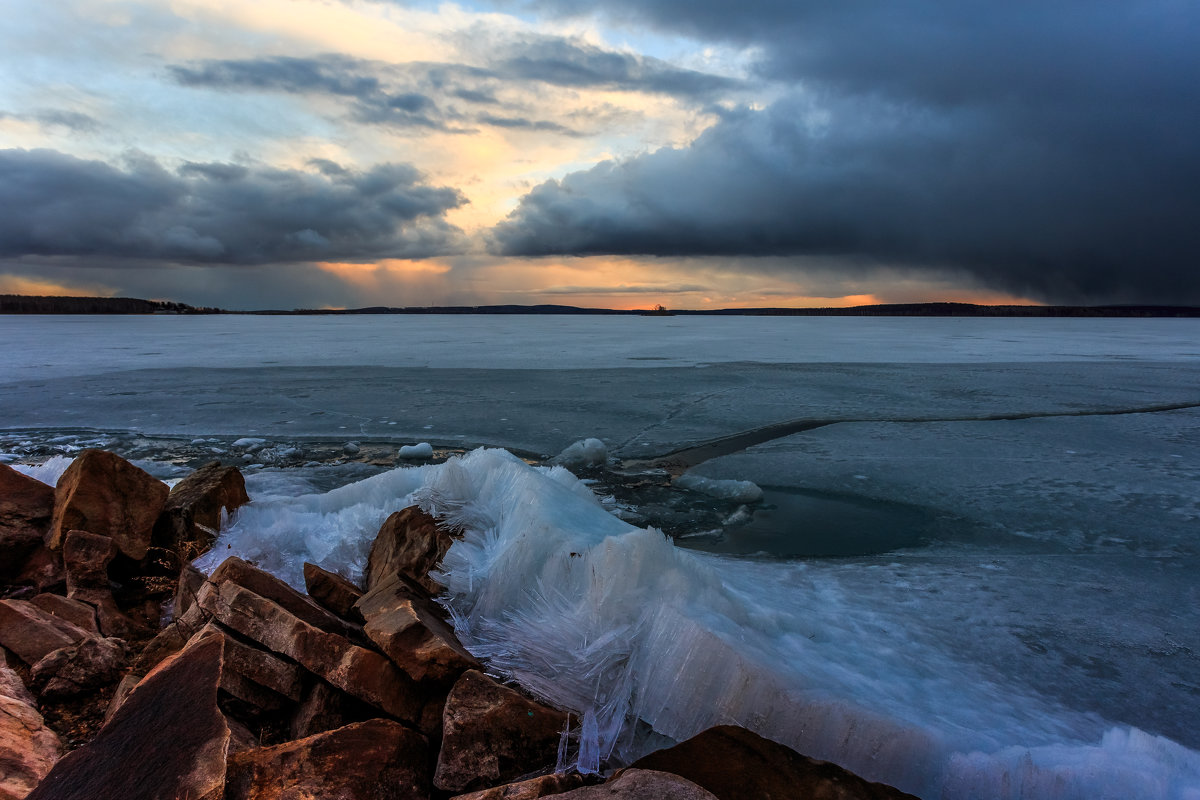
(266, 585)
(492, 734)
(84, 667)
(191, 517)
(103, 493)
(26, 506)
(75, 612)
(360, 672)
(28, 749)
(190, 581)
(168, 740)
(374, 760)
(255, 676)
(86, 557)
(410, 631)
(43, 571)
(31, 633)
(552, 784)
(736, 764)
(332, 591)
(410, 543)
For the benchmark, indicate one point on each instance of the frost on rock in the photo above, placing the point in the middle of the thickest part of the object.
(734, 491)
(583, 453)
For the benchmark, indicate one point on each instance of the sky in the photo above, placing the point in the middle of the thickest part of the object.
(613, 153)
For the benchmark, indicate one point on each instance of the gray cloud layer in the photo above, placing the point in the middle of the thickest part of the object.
(59, 205)
(1048, 148)
(442, 96)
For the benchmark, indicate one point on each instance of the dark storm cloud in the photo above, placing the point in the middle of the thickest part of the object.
(59, 205)
(1046, 148)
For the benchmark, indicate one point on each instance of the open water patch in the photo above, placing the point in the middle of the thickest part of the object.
(804, 523)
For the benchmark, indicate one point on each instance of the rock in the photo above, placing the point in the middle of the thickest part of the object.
(493, 734)
(253, 675)
(191, 517)
(84, 667)
(28, 749)
(266, 585)
(31, 633)
(190, 581)
(410, 543)
(332, 591)
(26, 507)
(551, 784)
(75, 612)
(43, 571)
(85, 559)
(325, 708)
(409, 631)
(374, 760)
(168, 740)
(645, 784)
(103, 493)
(360, 672)
(351, 448)
(736, 764)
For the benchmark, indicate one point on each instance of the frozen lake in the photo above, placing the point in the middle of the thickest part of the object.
(1019, 502)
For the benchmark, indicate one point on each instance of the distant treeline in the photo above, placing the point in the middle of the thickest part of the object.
(21, 304)
(27, 304)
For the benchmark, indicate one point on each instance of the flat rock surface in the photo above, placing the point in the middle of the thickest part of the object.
(373, 760)
(331, 590)
(532, 789)
(31, 633)
(167, 740)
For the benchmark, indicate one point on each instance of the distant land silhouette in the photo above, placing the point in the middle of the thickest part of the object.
(26, 304)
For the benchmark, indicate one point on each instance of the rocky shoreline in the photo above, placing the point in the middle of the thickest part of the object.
(129, 673)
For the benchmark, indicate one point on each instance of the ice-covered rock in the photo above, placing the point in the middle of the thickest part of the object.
(589, 452)
(422, 450)
(249, 442)
(351, 448)
(733, 491)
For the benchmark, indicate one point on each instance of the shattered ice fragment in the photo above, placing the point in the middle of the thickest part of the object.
(250, 442)
(735, 491)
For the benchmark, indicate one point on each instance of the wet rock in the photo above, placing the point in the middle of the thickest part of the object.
(264, 584)
(492, 734)
(644, 784)
(325, 708)
(332, 591)
(28, 749)
(31, 633)
(80, 668)
(168, 740)
(26, 507)
(531, 789)
(410, 631)
(374, 760)
(75, 612)
(410, 543)
(191, 517)
(103, 493)
(362, 673)
(736, 764)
